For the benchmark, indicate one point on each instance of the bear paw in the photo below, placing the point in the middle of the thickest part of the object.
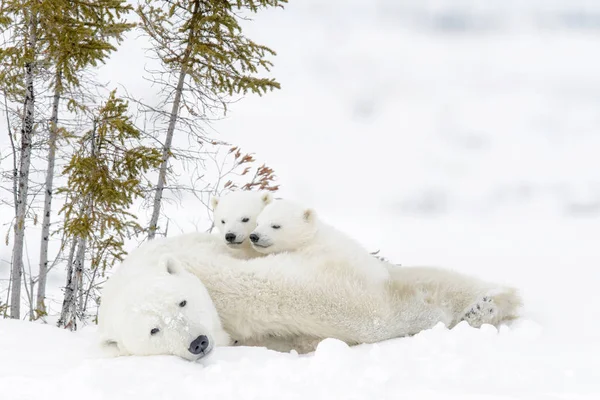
(481, 312)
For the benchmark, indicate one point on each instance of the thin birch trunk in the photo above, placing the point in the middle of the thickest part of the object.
(15, 172)
(68, 315)
(43, 268)
(90, 288)
(77, 282)
(62, 321)
(25, 161)
(80, 292)
(75, 265)
(8, 293)
(15, 180)
(162, 173)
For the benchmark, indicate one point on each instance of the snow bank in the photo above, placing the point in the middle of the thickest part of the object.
(460, 363)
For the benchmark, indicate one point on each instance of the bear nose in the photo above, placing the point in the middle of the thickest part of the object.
(199, 344)
(253, 237)
(230, 237)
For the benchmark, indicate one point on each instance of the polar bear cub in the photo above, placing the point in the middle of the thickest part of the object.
(285, 226)
(235, 218)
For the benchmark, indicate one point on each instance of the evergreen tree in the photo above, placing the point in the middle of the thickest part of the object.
(105, 176)
(17, 73)
(65, 37)
(78, 35)
(205, 57)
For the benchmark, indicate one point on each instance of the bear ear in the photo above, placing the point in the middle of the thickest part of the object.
(110, 343)
(110, 347)
(214, 201)
(309, 215)
(266, 198)
(170, 265)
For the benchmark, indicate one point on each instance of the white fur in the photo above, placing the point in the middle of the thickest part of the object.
(235, 214)
(286, 226)
(290, 301)
(137, 299)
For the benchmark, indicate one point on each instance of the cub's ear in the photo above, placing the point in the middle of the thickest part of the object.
(169, 264)
(309, 215)
(214, 201)
(266, 198)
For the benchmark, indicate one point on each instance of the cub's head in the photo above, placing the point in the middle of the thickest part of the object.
(235, 214)
(283, 226)
(167, 311)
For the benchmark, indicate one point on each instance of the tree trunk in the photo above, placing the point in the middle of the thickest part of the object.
(77, 282)
(69, 311)
(41, 294)
(162, 174)
(68, 314)
(25, 161)
(68, 299)
(80, 288)
(90, 289)
(15, 172)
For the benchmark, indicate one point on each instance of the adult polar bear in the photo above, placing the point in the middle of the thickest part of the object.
(286, 301)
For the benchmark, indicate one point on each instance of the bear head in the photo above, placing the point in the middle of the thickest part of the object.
(283, 226)
(164, 311)
(235, 215)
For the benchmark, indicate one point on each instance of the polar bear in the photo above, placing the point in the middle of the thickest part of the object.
(284, 225)
(290, 301)
(159, 308)
(235, 217)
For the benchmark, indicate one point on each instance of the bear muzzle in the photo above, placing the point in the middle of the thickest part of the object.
(200, 346)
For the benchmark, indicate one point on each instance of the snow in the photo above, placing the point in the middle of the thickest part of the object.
(463, 134)
(438, 363)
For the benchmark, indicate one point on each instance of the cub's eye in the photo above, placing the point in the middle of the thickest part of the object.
(275, 226)
(154, 331)
(222, 221)
(183, 303)
(246, 219)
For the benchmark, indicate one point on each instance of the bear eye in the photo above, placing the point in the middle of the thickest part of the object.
(275, 226)
(154, 331)
(183, 303)
(245, 219)
(222, 221)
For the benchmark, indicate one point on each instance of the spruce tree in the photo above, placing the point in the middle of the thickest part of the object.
(78, 35)
(104, 177)
(205, 58)
(62, 38)
(18, 64)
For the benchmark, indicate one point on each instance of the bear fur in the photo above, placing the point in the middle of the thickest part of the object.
(287, 226)
(290, 301)
(158, 308)
(234, 216)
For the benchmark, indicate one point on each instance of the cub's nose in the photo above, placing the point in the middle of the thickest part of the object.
(254, 237)
(199, 345)
(230, 237)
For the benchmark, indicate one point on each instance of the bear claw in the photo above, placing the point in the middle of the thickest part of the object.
(481, 312)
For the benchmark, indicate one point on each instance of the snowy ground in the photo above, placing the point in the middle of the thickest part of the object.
(463, 134)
